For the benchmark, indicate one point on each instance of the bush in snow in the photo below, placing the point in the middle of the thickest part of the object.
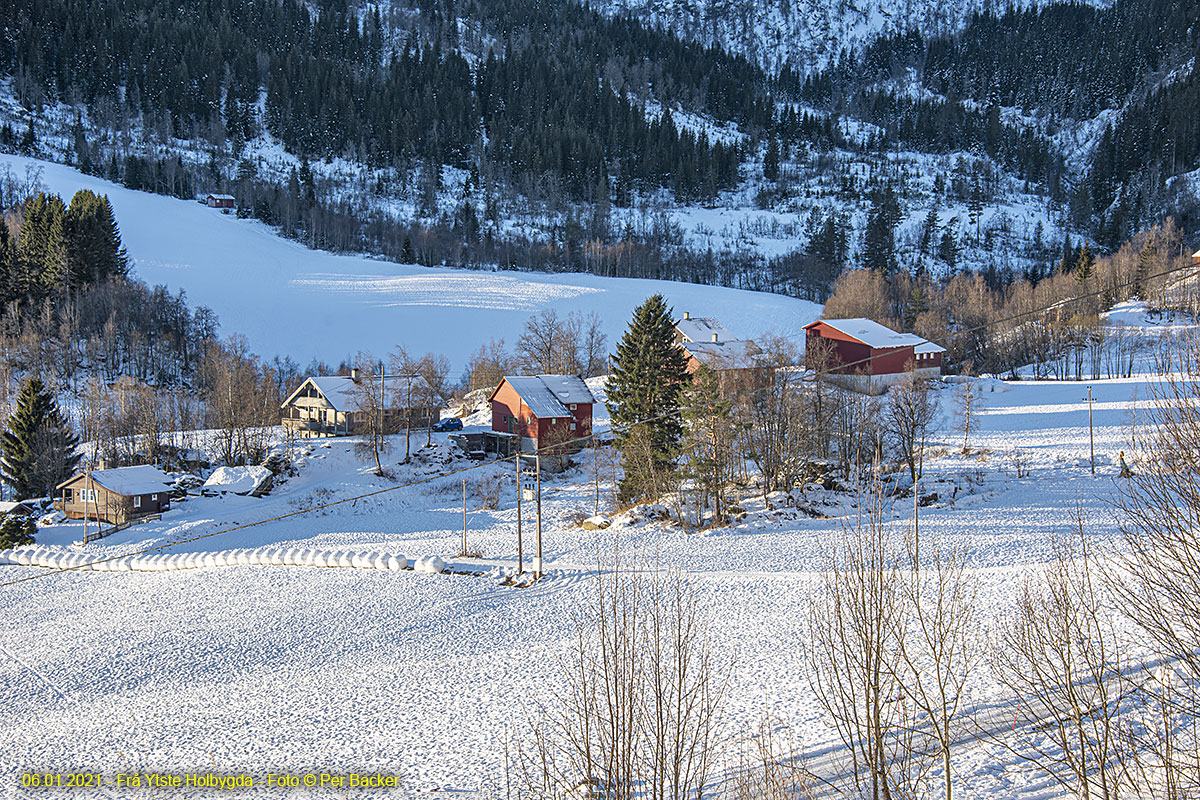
(16, 531)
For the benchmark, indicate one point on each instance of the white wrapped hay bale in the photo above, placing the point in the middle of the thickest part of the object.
(431, 565)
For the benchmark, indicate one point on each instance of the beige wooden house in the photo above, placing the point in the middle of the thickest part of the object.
(328, 405)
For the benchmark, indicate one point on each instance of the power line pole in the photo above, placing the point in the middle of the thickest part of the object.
(1091, 430)
(520, 562)
(464, 545)
(537, 561)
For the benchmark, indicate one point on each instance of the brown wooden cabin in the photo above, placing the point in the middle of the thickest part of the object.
(115, 496)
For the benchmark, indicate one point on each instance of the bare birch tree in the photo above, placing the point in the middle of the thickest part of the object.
(640, 713)
(1059, 657)
(854, 620)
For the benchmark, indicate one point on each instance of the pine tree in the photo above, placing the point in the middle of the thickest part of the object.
(38, 446)
(644, 394)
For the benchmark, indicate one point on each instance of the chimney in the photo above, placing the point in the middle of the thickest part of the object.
(354, 374)
(714, 337)
(687, 315)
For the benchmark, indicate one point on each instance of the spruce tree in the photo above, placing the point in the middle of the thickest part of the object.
(38, 446)
(93, 241)
(41, 246)
(644, 395)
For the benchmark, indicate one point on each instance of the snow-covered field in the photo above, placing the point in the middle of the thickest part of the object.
(259, 669)
(289, 300)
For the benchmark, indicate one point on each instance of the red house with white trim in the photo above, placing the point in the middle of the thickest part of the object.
(869, 357)
(542, 408)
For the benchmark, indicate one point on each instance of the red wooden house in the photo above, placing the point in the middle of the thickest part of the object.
(869, 357)
(542, 409)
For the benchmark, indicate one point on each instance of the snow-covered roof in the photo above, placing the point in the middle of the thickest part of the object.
(929, 347)
(548, 395)
(220, 196)
(723, 355)
(1196, 254)
(128, 481)
(701, 329)
(339, 390)
(871, 333)
(239, 480)
(8, 506)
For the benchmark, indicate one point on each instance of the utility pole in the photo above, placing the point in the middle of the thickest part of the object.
(1091, 430)
(464, 546)
(520, 562)
(537, 561)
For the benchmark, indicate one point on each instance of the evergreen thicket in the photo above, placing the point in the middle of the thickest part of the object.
(37, 444)
(645, 393)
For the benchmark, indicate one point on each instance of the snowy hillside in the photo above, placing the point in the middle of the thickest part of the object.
(808, 34)
(289, 300)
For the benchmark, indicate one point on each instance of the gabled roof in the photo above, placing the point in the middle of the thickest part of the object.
(220, 196)
(724, 355)
(701, 329)
(1196, 254)
(339, 390)
(127, 481)
(871, 333)
(548, 395)
(929, 347)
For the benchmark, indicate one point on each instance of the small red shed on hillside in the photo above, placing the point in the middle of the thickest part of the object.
(869, 357)
(542, 408)
(220, 201)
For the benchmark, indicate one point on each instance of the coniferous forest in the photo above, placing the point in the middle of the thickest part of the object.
(557, 115)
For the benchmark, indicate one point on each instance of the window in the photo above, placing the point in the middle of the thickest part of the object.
(154, 498)
(67, 495)
(572, 426)
(572, 406)
(553, 421)
(137, 501)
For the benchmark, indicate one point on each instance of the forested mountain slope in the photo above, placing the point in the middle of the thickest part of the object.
(644, 141)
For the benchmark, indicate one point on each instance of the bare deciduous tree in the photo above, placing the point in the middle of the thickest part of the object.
(911, 411)
(854, 620)
(640, 713)
(1059, 657)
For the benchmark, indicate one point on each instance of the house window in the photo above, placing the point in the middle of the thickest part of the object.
(67, 495)
(154, 498)
(572, 426)
(572, 406)
(554, 422)
(137, 501)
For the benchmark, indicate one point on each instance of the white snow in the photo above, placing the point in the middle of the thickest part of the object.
(289, 300)
(239, 480)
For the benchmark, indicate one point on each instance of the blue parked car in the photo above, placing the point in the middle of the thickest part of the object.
(448, 424)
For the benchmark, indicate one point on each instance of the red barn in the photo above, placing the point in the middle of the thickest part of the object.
(869, 357)
(542, 408)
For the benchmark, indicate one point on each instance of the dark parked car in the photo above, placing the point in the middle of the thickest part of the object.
(448, 424)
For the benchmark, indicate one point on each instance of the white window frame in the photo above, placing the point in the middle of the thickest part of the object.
(137, 501)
